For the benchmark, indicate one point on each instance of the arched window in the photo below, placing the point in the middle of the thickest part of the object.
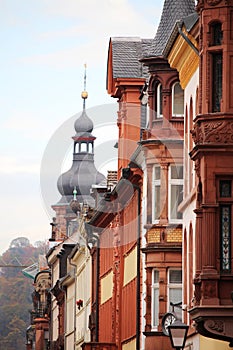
(159, 101)
(177, 100)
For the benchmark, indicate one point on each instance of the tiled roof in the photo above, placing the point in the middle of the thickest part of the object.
(126, 52)
(173, 11)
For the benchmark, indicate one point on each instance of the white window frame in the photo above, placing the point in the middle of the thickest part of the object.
(154, 303)
(173, 101)
(155, 183)
(174, 286)
(159, 92)
(174, 182)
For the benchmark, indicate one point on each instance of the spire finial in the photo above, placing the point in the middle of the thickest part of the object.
(75, 193)
(84, 93)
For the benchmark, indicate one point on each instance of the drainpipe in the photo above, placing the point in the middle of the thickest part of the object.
(75, 296)
(138, 270)
(97, 289)
(89, 230)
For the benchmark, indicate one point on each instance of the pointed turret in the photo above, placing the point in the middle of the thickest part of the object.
(173, 11)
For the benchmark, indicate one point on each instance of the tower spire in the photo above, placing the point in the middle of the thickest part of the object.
(84, 92)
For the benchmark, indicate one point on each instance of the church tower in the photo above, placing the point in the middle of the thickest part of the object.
(77, 181)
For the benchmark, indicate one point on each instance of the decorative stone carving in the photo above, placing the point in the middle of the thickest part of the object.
(213, 2)
(215, 325)
(213, 132)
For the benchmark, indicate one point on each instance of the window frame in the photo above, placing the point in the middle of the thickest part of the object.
(156, 183)
(176, 115)
(216, 77)
(174, 182)
(159, 101)
(154, 303)
(172, 286)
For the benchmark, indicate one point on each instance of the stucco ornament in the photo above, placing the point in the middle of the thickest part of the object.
(215, 325)
(213, 132)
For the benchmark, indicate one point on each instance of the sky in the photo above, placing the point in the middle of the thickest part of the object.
(44, 46)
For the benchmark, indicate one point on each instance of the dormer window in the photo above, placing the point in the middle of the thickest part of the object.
(177, 100)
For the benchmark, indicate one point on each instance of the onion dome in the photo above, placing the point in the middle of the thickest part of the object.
(83, 173)
(83, 124)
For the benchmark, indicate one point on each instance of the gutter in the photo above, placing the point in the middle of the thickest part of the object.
(187, 39)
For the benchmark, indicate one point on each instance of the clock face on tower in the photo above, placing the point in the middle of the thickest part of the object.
(167, 320)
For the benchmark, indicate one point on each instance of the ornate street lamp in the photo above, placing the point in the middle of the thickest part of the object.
(178, 333)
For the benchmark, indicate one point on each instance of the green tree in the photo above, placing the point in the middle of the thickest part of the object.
(15, 293)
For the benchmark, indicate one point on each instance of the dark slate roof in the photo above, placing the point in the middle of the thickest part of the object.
(173, 11)
(126, 52)
(190, 21)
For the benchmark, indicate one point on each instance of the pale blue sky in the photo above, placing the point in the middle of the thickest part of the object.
(44, 45)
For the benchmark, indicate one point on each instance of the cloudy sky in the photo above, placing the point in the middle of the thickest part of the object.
(44, 46)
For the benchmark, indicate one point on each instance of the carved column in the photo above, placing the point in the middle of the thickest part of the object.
(198, 242)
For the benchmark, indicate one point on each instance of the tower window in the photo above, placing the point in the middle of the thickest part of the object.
(217, 81)
(225, 188)
(216, 34)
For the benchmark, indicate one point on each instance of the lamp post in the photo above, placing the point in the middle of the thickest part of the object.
(178, 333)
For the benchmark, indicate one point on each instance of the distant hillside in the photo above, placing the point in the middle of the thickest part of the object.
(15, 292)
